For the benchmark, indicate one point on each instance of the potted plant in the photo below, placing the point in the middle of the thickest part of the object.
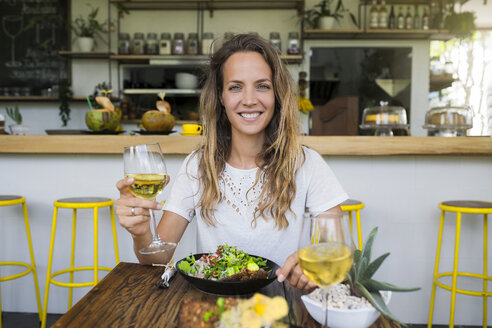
(322, 16)
(86, 29)
(16, 116)
(361, 285)
(461, 24)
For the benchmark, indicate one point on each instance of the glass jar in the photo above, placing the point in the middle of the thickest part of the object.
(293, 44)
(207, 43)
(192, 44)
(178, 44)
(2, 124)
(275, 41)
(138, 44)
(152, 44)
(165, 44)
(124, 44)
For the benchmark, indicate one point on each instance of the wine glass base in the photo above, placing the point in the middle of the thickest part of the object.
(12, 64)
(157, 247)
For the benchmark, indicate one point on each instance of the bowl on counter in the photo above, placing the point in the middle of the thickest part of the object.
(341, 318)
(384, 118)
(186, 80)
(450, 121)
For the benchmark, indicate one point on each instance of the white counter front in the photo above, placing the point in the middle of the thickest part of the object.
(401, 194)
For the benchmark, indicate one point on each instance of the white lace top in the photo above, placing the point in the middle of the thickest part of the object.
(317, 189)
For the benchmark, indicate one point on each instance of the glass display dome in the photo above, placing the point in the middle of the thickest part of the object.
(448, 121)
(384, 118)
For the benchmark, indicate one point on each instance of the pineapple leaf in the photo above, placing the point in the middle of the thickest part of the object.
(377, 301)
(373, 267)
(366, 251)
(374, 285)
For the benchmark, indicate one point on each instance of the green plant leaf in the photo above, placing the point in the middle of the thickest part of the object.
(374, 285)
(367, 250)
(377, 301)
(362, 267)
(373, 267)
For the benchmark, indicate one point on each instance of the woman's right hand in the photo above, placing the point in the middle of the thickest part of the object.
(137, 224)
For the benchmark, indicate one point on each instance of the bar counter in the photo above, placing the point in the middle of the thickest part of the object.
(401, 181)
(180, 145)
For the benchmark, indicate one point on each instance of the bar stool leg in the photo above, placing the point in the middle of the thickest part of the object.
(33, 264)
(350, 220)
(436, 269)
(0, 307)
(72, 258)
(96, 268)
(359, 232)
(455, 268)
(115, 239)
(484, 322)
(48, 272)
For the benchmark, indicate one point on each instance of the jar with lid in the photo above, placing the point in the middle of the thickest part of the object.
(152, 44)
(165, 44)
(178, 44)
(275, 41)
(138, 43)
(293, 44)
(124, 44)
(207, 42)
(192, 44)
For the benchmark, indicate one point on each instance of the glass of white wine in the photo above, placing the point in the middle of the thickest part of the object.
(326, 257)
(145, 164)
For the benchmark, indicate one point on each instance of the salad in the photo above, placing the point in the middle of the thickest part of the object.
(227, 263)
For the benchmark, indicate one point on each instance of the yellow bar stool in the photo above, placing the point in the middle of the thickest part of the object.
(9, 200)
(350, 206)
(77, 203)
(459, 207)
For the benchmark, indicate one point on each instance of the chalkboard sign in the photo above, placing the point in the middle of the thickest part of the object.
(31, 34)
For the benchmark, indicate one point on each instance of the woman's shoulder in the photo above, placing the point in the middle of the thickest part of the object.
(310, 154)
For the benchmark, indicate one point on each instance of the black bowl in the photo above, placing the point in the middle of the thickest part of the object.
(231, 287)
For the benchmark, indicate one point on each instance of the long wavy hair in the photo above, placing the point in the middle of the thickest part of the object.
(281, 155)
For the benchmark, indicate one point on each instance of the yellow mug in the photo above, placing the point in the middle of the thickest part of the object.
(192, 128)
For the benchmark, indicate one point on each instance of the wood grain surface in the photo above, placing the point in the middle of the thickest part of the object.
(128, 297)
(336, 146)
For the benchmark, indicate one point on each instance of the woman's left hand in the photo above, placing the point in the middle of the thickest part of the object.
(292, 272)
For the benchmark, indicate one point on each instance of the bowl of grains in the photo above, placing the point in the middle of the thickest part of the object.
(344, 309)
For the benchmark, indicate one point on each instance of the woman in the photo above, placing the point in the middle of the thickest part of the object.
(250, 181)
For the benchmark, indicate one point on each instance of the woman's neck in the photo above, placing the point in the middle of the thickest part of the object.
(244, 152)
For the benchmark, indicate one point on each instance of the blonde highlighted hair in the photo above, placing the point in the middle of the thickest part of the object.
(281, 155)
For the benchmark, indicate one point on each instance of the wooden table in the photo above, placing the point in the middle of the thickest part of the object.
(128, 297)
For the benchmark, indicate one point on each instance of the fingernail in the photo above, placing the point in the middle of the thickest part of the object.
(281, 278)
(159, 206)
(129, 180)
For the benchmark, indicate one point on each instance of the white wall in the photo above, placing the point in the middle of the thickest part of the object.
(401, 194)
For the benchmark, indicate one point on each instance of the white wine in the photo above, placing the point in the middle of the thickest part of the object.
(326, 263)
(147, 186)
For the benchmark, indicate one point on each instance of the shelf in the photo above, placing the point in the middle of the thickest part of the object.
(209, 4)
(377, 34)
(439, 82)
(85, 55)
(161, 60)
(182, 60)
(169, 92)
(28, 98)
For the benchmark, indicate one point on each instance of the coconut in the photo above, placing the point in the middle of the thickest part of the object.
(101, 119)
(155, 120)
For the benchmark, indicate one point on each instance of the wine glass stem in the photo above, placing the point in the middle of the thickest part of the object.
(12, 51)
(155, 237)
(325, 304)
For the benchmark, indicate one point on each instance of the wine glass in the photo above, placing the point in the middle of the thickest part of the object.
(12, 26)
(326, 257)
(145, 164)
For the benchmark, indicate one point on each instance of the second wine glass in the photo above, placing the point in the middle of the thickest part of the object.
(145, 164)
(326, 257)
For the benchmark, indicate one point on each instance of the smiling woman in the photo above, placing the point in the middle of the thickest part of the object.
(250, 181)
